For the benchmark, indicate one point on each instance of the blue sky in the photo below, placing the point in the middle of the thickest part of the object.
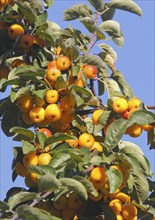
(135, 61)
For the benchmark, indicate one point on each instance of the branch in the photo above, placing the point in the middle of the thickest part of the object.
(92, 87)
(85, 112)
(35, 201)
(93, 36)
(151, 107)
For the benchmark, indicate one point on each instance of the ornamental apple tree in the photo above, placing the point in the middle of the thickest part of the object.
(71, 152)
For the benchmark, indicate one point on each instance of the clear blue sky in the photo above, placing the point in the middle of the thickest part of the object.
(135, 61)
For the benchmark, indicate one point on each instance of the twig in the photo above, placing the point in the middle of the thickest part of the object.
(151, 107)
(92, 87)
(93, 36)
(87, 170)
(107, 9)
(35, 201)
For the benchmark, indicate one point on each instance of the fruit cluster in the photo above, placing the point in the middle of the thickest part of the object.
(53, 109)
(3, 3)
(26, 40)
(65, 207)
(124, 109)
(31, 158)
(99, 179)
(123, 208)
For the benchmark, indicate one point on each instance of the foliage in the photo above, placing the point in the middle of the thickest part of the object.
(67, 174)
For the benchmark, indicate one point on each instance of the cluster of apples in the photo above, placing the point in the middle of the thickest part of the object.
(3, 3)
(17, 30)
(99, 179)
(62, 63)
(124, 108)
(54, 109)
(26, 40)
(31, 158)
(37, 157)
(123, 208)
(66, 206)
(118, 201)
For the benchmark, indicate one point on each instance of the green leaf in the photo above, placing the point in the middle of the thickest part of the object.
(10, 119)
(48, 3)
(151, 139)
(45, 36)
(32, 213)
(75, 70)
(115, 179)
(30, 70)
(93, 60)
(97, 4)
(100, 35)
(103, 74)
(112, 89)
(60, 157)
(52, 27)
(124, 86)
(118, 38)
(41, 19)
(108, 59)
(48, 182)
(39, 170)
(114, 133)
(97, 160)
(22, 91)
(60, 83)
(75, 186)
(27, 147)
(108, 14)
(4, 206)
(109, 50)
(40, 93)
(86, 155)
(26, 134)
(87, 184)
(128, 147)
(69, 46)
(21, 197)
(127, 5)
(141, 117)
(4, 83)
(26, 11)
(110, 26)
(40, 139)
(104, 117)
(89, 23)
(58, 137)
(77, 11)
(141, 185)
(94, 101)
(83, 92)
(108, 213)
(132, 150)
(36, 4)
(5, 104)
